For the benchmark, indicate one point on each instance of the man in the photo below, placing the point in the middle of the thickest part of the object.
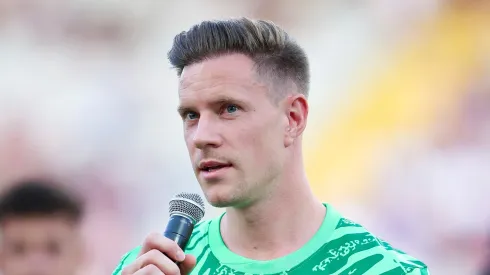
(243, 101)
(40, 232)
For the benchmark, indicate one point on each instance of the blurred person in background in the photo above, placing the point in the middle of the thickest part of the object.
(40, 227)
(81, 124)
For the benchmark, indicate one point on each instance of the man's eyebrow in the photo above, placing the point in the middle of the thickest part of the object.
(226, 99)
(182, 109)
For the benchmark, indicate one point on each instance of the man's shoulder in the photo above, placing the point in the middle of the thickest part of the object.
(351, 238)
(408, 263)
(196, 241)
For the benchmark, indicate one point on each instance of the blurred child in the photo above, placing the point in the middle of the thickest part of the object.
(40, 226)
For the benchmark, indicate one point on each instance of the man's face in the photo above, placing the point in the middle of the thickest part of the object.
(233, 131)
(39, 246)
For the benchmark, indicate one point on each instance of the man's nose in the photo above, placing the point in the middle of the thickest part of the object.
(206, 134)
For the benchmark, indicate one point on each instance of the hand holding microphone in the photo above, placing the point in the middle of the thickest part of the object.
(164, 254)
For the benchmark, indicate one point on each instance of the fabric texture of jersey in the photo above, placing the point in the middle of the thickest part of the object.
(340, 247)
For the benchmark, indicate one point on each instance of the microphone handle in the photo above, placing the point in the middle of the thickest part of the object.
(179, 239)
(179, 229)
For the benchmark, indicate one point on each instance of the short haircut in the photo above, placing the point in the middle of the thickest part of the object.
(275, 54)
(39, 198)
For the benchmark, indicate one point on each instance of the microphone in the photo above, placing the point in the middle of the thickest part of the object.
(186, 210)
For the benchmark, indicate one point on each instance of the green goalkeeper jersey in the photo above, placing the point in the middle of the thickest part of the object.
(340, 247)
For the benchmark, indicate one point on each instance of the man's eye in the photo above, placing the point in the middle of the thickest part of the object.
(191, 116)
(231, 108)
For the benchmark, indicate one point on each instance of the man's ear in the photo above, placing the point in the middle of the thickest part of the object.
(297, 113)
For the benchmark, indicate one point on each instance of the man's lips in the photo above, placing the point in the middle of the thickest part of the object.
(212, 165)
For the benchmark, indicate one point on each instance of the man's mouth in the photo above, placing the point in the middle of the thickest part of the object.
(210, 166)
(214, 168)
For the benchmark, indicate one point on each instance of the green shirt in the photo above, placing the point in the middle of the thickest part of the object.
(340, 247)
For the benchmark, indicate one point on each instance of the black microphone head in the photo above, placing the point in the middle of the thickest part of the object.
(188, 204)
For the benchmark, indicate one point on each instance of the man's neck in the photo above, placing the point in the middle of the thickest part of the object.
(276, 226)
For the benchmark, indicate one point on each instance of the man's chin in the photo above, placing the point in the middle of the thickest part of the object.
(220, 200)
(220, 203)
(227, 201)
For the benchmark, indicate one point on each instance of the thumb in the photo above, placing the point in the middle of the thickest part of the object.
(187, 265)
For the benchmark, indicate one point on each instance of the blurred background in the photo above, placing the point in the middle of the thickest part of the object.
(398, 136)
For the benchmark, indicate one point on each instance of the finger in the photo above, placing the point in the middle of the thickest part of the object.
(187, 265)
(166, 246)
(149, 270)
(152, 258)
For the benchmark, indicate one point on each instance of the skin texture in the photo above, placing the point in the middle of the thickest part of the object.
(40, 246)
(229, 118)
(231, 115)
